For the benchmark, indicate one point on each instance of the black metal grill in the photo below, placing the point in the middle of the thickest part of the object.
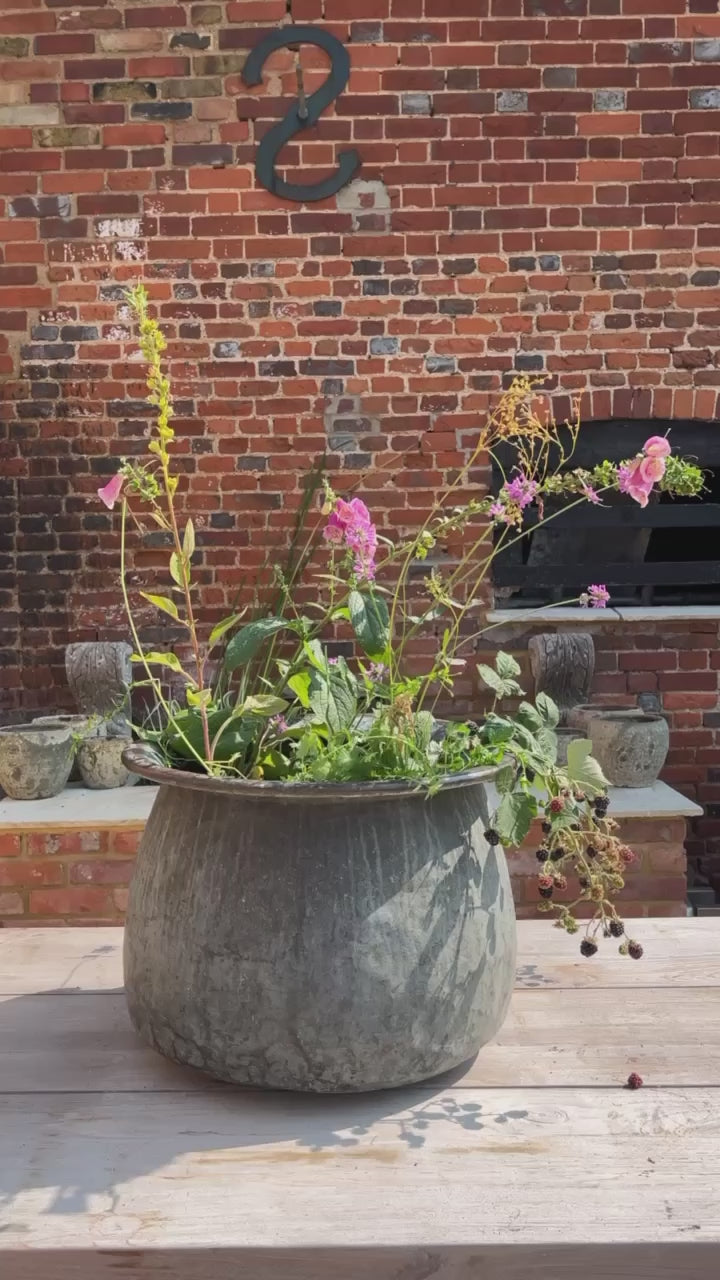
(666, 553)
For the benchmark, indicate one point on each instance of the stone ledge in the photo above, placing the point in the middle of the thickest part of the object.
(78, 809)
(594, 617)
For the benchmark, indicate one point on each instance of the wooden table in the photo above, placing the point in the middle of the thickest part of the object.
(532, 1164)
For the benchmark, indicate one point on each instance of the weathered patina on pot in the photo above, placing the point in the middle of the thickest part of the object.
(321, 937)
(35, 760)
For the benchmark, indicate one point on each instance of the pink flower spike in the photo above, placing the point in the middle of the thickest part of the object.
(590, 494)
(110, 492)
(657, 447)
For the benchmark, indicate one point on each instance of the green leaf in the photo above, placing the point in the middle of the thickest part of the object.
(300, 685)
(332, 699)
(548, 710)
(176, 569)
(547, 745)
(189, 540)
(222, 627)
(162, 602)
(529, 717)
(505, 779)
(506, 666)
(263, 704)
(370, 622)
(582, 769)
(153, 659)
(249, 640)
(316, 656)
(514, 816)
(500, 686)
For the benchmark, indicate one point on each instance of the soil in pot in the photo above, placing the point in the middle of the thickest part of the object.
(580, 715)
(631, 749)
(324, 938)
(35, 761)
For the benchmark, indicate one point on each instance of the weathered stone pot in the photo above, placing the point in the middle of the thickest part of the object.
(81, 727)
(100, 761)
(631, 749)
(35, 760)
(580, 716)
(328, 938)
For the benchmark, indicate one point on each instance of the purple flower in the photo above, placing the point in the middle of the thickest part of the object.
(279, 724)
(596, 596)
(498, 511)
(521, 490)
(591, 494)
(332, 662)
(378, 670)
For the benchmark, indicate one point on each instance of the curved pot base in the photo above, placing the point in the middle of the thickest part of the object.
(331, 946)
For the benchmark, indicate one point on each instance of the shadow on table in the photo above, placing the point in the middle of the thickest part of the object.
(120, 1111)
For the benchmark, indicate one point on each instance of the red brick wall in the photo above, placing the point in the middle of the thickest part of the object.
(81, 877)
(539, 192)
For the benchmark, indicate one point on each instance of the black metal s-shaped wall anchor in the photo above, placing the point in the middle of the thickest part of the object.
(293, 122)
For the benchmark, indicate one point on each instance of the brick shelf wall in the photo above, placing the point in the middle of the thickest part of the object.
(74, 868)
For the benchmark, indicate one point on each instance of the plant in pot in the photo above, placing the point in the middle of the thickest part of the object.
(321, 901)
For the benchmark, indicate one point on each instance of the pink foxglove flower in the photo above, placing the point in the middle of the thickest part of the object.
(349, 524)
(110, 492)
(657, 447)
(651, 469)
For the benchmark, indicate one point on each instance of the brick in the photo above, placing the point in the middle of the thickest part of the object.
(10, 845)
(11, 904)
(102, 871)
(22, 873)
(72, 902)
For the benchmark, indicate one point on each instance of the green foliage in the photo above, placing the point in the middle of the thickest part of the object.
(370, 620)
(248, 641)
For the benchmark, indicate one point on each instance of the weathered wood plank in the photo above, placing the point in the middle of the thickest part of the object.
(478, 1169)
(550, 1038)
(677, 953)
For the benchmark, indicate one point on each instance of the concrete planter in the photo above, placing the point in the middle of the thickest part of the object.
(35, 760)
(580, 716)
(100, 761)
(631, 749)
(326, 938)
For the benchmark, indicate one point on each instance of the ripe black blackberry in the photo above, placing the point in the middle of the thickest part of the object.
(617, 928)
(492, 836)
(601, 806)
(542, 855)
(635, 950)
(546, 827)
(588, 947)
(556, 855)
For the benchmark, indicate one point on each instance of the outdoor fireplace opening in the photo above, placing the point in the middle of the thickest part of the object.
(666, 554)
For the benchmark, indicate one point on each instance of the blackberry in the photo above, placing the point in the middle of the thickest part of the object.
(542, 855)
(601, 806)
(557, 805)
(583, 882)
(492, 836)
(556, 855)
(545, 887)
(546, 827)
(635, 950)
(588, 947)
(617, 928)
(590, 852)
(634, 1081)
